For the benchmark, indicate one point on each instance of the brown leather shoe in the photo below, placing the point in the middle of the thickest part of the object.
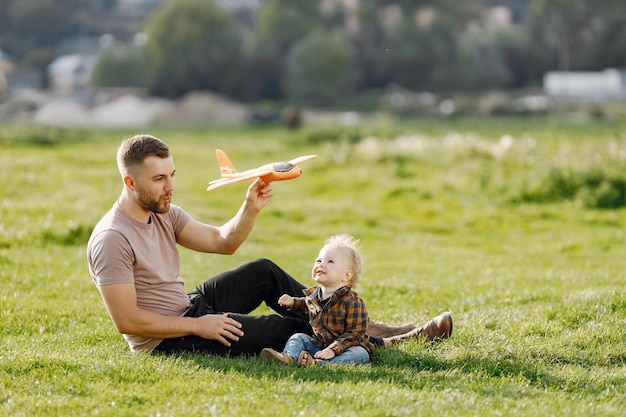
(436, 329)
(271, 355)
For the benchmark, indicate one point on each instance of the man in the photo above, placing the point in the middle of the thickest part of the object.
(133, 259)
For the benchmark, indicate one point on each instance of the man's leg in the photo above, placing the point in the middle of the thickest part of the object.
(383, 330)
(259, 332)
(243, 289)
(436, 329)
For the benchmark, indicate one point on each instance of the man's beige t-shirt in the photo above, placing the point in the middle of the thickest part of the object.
(122, 249)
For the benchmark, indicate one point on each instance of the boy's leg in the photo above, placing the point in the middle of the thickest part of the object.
(354, 354)
(296, 344)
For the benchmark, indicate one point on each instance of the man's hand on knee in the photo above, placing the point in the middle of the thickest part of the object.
(219, 327)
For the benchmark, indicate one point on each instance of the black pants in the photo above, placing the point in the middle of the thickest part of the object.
(238, 292)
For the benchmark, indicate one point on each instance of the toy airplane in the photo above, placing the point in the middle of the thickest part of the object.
(277, 171)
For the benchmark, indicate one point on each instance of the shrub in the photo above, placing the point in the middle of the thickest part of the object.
(322, 69)
(593, 188)
(195, 45)
(122, 67)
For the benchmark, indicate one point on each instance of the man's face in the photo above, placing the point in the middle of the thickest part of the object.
(154, 184)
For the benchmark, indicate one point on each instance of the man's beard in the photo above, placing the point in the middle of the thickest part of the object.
(153, 205)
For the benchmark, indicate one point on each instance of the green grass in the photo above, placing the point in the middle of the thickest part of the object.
(522, 240)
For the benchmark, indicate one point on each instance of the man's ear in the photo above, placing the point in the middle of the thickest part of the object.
(129, 182)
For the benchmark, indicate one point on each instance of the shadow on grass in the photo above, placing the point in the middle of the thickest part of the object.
(424, 369)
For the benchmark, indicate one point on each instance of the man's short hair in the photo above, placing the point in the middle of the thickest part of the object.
(134, 150)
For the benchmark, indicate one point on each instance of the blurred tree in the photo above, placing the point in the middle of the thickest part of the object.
(370, 45)
(572, 32)
(120, 66)
(411, 43)
(611, 50)
(518, 8)
(519, 57)
(31, 29)
(280, 24)
(322, 69)
(432, 45)
(479, 64)
(193, 45)
(416, 53)
(262, 77)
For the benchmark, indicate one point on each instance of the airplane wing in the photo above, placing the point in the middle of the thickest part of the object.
(250, 173)
(242, 176)
(218, 183)
(245, 175)
(302, 159)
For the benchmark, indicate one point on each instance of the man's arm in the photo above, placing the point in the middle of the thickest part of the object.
(121, 303)
(227, 238)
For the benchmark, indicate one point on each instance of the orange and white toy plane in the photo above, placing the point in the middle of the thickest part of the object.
(277, 171)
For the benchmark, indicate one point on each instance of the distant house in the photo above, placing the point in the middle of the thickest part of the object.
(6, 65)
(70, 72)
(136, 7)
(5, 62)
(3, 83)
(609, 84)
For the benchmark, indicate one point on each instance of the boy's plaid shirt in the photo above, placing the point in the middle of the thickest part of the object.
(340, 323)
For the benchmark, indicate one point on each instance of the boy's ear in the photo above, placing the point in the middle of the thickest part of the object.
(348, 276)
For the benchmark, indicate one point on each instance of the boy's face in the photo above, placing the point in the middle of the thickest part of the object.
(332, 268)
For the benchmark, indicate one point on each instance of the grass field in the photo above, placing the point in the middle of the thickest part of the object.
(518, 227)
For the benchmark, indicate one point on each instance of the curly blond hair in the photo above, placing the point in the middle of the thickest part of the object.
(350, 245)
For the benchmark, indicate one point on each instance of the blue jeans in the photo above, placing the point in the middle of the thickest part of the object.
(301, 341)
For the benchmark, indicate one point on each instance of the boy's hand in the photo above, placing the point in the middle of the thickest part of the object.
(285, 300)
(327, 353)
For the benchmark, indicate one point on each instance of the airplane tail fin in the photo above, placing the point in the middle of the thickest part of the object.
(226, 167)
